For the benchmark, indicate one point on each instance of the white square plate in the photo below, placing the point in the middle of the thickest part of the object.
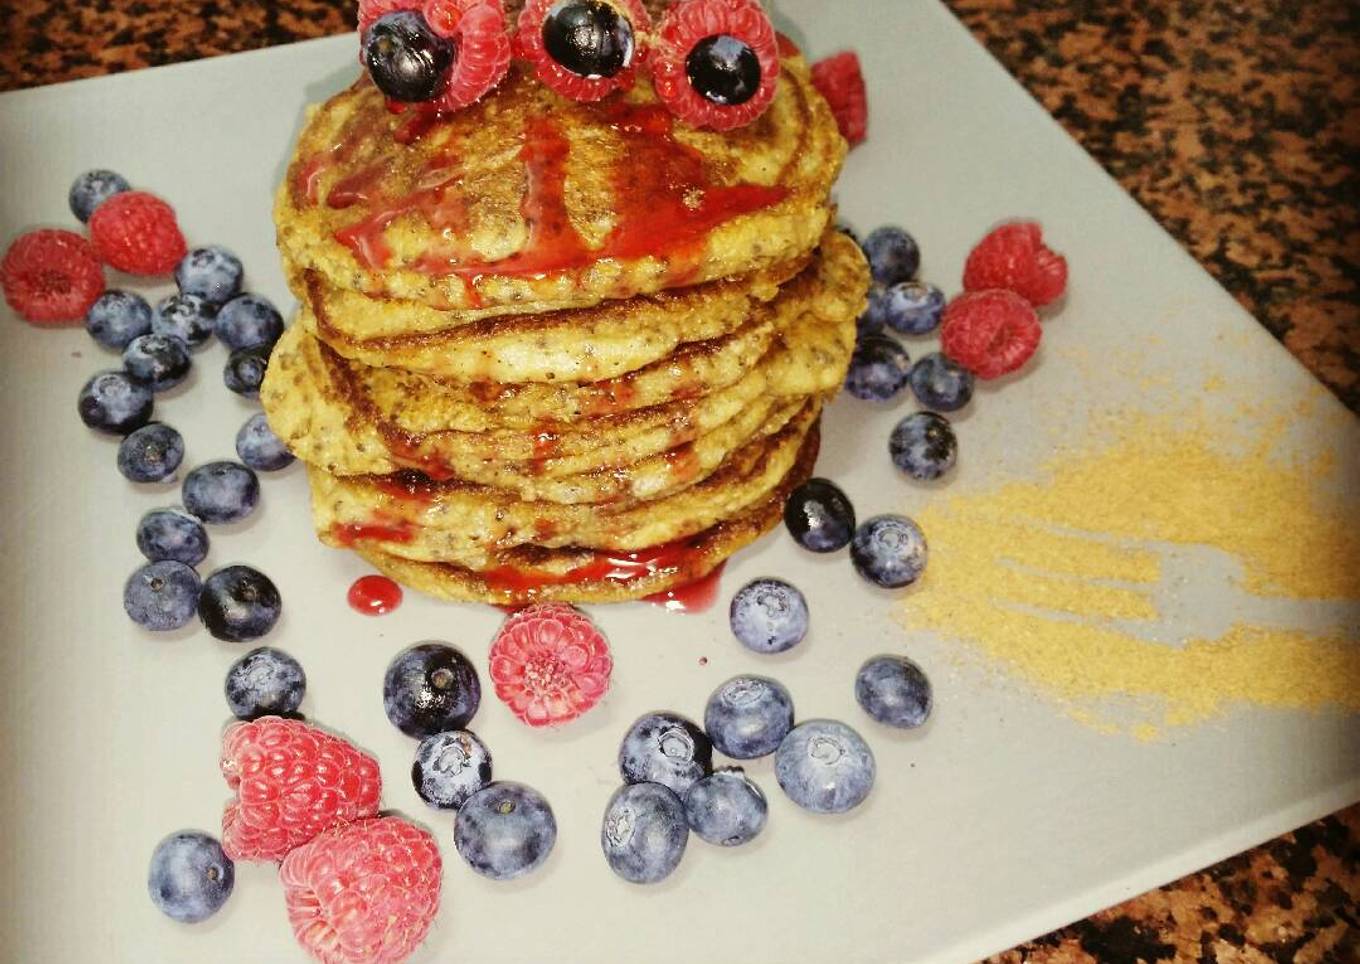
(1002, 819)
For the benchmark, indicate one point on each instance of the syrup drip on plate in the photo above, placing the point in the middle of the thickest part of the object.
(374, 595)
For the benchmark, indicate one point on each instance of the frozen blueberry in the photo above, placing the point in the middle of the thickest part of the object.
(158, 361)
(114, 403)
(221, 492)
(239, 604)
(940, 383)
(172, 534)
(748, 716)
(909, 307)
(161, 596)
(768, 616)
(894, 690)
(505, 830)
(211, 272)
(879, 367)
(923, 446)
(151, 454)
(190, 877)
(188, 317)
(449, 768)
(92, 189)
(430, 688)
(824, 766)
(819, 516)
(260, 448)
(893, 255)
(265, 682)
(248, 321)
(645, 832)
(117, 317)
(665, 748)
(726, 808)
(889, 551)
(244, 371)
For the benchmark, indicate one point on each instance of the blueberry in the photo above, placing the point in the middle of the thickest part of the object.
(212, 272)
(187, 317)
(221, 492)
(430, 688)
(407, 60)
(723, 70)
(748, 716)
(725, 808)
(923, 446)
(190, 877)
(158, 361)
(449, 768)
(894, 690)
(265, 682)
(889, 551)
(259, 448)
(505, 830)
(588, 37)
(909, 307)
(824, 766)
(644, 833)
(92, 189)
(868, 323)
(172, 534)
(248, 321)
(878, 369)
(819, 516)
(114, 403)
(665, 748)
(151, 454)
(768, 616)
(117, 317)
(161, 596)
(239, 604)
(244, 371)
(893, 255)
(940, 383)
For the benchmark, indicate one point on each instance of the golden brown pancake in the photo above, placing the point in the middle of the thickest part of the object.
(528, 201)
(529, 574)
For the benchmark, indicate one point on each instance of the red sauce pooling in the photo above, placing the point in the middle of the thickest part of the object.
(621, 567)
(374, 595)
(695, 597)
(348, 533)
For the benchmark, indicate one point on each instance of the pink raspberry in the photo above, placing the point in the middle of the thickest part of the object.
(1014, 257)
(991, 333)
(136, 232)
(693, 22)
(51, 277)
(530, 46)
(477, 27)
(363, 893)
(838, 78)
(550, 664)
(292, 781)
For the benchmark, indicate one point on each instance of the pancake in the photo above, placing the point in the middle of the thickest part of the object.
(528, 202)
(530, 574)
(464, 524)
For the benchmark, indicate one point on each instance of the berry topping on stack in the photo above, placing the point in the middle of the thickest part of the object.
(583, 49)
(716, 62)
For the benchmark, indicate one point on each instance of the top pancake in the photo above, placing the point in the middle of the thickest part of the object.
(530, 202)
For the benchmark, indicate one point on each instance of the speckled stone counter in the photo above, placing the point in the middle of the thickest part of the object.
(1236, 123)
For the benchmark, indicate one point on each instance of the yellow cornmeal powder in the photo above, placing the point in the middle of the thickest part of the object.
(1056, 578)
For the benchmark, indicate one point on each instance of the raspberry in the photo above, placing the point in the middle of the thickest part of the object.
(136, 232)
(550, 664)
(370, 10)
(1014, 257)
(292, 782)
(529, 45)
(839, 80)
(51, 276)
(991, 333)
(477, 27)
(688, 24)
(363, 893)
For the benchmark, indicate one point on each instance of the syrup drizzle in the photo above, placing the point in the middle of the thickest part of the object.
(695, 597)
(620, 567)
(374, 595)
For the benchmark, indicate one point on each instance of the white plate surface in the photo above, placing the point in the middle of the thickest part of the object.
(1001, 820)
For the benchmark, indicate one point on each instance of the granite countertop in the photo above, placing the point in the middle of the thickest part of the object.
(1234, 123)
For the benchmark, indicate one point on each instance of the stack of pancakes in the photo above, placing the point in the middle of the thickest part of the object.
(553, 350)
